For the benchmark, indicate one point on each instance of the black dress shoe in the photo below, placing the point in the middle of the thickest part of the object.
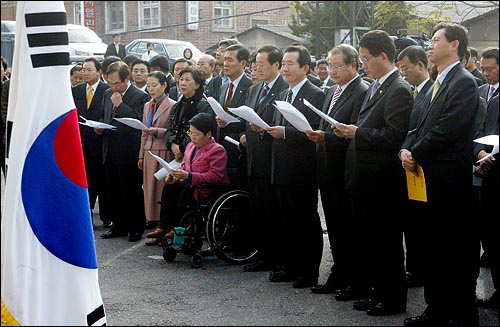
(304, 282)
(257, 266)
(113, 234)
(134, 237)
(423, 320)
(385, 309)
(412, 280)
(363, 305)
(280, 276)
(492, 303)
(326, 288)
(107, 224)
(350, 294)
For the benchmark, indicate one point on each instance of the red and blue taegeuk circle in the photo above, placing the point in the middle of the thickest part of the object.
(54, 193)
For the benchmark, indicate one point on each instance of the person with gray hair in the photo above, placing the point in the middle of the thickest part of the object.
(342, 103)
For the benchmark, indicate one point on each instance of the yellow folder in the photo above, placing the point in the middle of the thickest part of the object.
(416, 185)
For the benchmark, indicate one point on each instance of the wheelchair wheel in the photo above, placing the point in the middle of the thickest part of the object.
(196, 260)
(225, 229)
(169, 254)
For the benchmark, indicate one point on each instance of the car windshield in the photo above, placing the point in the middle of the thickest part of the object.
(8, 26)
(82, 36)
(176, 50)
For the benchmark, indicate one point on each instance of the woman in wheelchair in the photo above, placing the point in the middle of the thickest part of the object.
(204, 162)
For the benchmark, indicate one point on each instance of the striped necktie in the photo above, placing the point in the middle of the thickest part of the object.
(415, 93)
(374, 88)
(335, 97)
(263, 95)
(436, 88)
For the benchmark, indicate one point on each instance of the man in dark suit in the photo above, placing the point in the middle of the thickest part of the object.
(175, 93)
(233, 95)
(490, 192)
(160, 63)
(441, 144)
(116, 48)
(261, 97)
(120, 149)
(206, 65)
(472, 65)
(489, 66)
(343, 102)
(300, 237)
(88, 99)
(413, 67)
(374, 177)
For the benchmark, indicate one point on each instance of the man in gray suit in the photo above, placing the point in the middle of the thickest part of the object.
(293, 178)
(343, 102)
(374, 177)
(261, 97)
(120, 149)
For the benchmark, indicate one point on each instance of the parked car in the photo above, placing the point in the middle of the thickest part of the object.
(83, 42)
(172, 49)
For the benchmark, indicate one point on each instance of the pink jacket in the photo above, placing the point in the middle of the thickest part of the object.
(207, 166)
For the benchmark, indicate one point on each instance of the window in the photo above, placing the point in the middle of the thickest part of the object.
(258, 21)
(149, 14)
(77, 13)
(223, 9)
(115, 14)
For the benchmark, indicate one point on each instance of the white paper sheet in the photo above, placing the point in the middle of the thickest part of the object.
(489, 140)
(293, 115)
(96, 124)
(168, 168)
(220, 113)
(249, 115)
(321, 113)
(162, 173)
(231, 140)
(132, 122)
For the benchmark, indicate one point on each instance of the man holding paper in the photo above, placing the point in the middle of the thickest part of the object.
(259, 143)
(343, 102)
(233, 94)
(299, 241)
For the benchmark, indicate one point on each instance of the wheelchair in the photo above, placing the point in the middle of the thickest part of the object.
(214, 226)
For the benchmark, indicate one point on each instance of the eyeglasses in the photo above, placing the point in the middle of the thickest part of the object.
(364, 61)
(194, 134)
(403, 69)
(335, 68)
(116, 84)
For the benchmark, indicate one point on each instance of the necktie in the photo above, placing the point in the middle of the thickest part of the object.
(335, 97)
(263, 95)
(415, 93)
(436, 88)
(90, 96)
(374, 88)
(117, 48)
(229, 96)
(490, 93)
(289, 96)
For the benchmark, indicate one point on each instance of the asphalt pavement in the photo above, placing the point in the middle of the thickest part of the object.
(139, 288)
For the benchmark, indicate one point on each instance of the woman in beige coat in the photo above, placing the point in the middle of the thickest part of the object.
(155, 117)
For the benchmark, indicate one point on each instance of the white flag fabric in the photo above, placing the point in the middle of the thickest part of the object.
(48, 259)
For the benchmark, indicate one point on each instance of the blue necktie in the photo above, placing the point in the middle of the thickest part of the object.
(263, 95)
(374, 88)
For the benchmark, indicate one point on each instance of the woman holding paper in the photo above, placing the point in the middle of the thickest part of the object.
(192, 102)
(205, 162)
(155, 117)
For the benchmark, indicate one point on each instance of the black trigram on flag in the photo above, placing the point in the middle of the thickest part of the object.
(96, 316)
(48, 39)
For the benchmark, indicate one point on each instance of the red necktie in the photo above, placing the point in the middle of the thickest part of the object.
(229, 96)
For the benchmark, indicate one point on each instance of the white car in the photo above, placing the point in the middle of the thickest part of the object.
(83, 43)
(172, 49)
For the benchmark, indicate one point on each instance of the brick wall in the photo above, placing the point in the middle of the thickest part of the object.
(173, 14)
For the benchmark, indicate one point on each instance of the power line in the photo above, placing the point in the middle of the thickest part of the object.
(201, 21)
